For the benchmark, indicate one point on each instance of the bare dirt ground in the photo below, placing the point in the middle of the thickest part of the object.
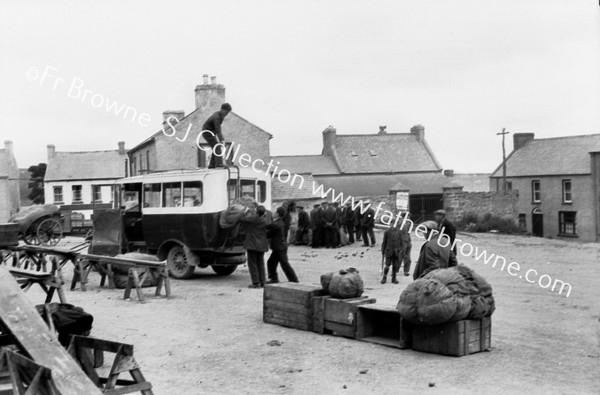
(210, 338)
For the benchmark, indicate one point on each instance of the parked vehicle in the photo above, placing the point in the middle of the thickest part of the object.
(175, 215)
(40, 224)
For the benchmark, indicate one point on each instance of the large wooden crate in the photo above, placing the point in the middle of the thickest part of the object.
(337, 317)
(290, 304)
(454, 338)
(9, 235)
(382, 325)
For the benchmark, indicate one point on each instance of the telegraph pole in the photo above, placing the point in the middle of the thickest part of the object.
(503, 133)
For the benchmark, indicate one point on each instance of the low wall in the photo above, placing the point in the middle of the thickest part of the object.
(500, 204)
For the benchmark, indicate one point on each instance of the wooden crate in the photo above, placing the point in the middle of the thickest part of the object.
(337, 317)
(454, 338)
(9, 235)
(290, 304)
(382, 325)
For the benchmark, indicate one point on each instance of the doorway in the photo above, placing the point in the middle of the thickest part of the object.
(537, 223)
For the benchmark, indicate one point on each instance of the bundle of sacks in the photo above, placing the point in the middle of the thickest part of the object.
(230, 217)
(447, 295)
(344, 284)
(121, 273)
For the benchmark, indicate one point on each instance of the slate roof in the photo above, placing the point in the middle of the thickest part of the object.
(552, 156)
(305, 164)
(286, 191)
(89, 165)
(3, 163)
(380, 184)
(380, 153)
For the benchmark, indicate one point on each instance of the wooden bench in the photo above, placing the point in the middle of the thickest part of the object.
(49, 281)
(158, 270)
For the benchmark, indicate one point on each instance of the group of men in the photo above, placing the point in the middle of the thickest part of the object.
(333, 226)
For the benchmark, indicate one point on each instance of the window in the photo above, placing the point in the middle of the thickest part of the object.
(58, 194)
(509, 185)
(96, 193)
(130, 197)
(566, 191)
(172, 194)
(192, 194)
(522, 221)
(232, 190)
(536, 194)
(151, 195)
(76, 189)
(567, 222)
(262, 191)
(248, 188)
(148, 160)
(133, 166)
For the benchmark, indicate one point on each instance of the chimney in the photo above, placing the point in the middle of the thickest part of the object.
(449, 173)
(205, 79)
(8, 146)
(520, 139)
(328, 140)
(51, 151)
(210, 96)
(418, 131)
(177, 114)
(382, 130)
(121, 148)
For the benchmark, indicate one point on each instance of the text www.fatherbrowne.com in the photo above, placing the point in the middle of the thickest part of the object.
(272, 169)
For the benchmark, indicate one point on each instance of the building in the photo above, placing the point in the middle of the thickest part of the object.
(558, 181)
(9, 183)
(170, 149)
(373, 165)
(81, 181)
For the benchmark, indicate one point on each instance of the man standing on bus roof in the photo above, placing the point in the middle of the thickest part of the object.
(211, 131)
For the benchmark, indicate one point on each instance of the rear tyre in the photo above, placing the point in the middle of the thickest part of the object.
(177, 263)
(224, 270)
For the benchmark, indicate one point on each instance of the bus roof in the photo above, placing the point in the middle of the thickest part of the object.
(191, 174)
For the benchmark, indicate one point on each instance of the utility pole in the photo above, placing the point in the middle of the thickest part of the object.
(503, 133)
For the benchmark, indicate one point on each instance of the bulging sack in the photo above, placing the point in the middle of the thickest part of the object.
(427, 301)
(326, 280)
(346, 284)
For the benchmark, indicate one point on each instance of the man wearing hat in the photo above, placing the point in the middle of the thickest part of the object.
(433, 255)
(348, 221)
(303, 224)
(368, 224)
(315, 224)
(392, 250)
(445, 227)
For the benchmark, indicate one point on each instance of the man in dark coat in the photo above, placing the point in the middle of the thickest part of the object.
(433, 255)
(303, 225)
(279, 251)
(337, 224)
(323, 208)
(348, 220)
(212, 134)
(445, 227)
(406, 246)
(256, 244)
(357, 223)
(368, 224)
(315, 224)
(392, 250)
(330, 219)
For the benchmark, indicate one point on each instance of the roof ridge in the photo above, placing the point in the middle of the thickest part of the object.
(373, 134)
(298, 156)
(85, 152)
(567, 137)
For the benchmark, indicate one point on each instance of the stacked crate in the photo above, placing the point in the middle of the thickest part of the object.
(290, 304)
(337, 316)
(453, 338)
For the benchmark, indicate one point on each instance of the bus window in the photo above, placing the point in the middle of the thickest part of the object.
(192, 193)
(130, 197)
(248, 188)
(172, 194)
(232, 190)
(151, 195)
(262, 191)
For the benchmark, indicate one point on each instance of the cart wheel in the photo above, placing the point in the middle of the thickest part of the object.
(49, 232)
(177, 263)
(31, 238)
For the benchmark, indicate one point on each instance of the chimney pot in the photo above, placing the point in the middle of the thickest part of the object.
(205, 79)
(8, 146)
(329, 137)
(449, 173)
(213, 80)
(121, 148)
(51, 151)
(209, 97)
(520, 139)
(382, 130)
(418, 131)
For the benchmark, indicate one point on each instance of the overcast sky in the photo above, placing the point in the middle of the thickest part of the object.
(462, 68)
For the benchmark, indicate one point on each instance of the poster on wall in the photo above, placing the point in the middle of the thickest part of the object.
(402, 201)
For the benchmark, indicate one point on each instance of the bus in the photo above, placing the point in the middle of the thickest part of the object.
(175, 216)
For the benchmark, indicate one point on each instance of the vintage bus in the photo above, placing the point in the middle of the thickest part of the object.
(175, 215)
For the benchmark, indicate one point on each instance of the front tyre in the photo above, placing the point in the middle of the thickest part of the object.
(177, 263)
(224, 270)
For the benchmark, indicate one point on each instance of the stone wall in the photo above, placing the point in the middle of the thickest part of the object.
(500, 204)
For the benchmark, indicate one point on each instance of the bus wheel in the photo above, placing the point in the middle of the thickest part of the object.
(177, 263)
(224, 270)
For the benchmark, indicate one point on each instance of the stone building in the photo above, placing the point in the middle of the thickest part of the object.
(81, 181)
(175, 146)
(9, 183)
(558, 184)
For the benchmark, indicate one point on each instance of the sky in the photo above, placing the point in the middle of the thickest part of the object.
(465, 69)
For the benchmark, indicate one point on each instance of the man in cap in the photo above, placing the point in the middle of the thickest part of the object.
(279, 250)
(445, 227)
(303, 225)
(315, 224)
(433, 255)
(406, 245)
(256, 245)
(368, 224)
(211, 131)
(391, 249)
(348, 221)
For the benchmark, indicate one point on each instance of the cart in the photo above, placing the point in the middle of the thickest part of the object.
(39, 224)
